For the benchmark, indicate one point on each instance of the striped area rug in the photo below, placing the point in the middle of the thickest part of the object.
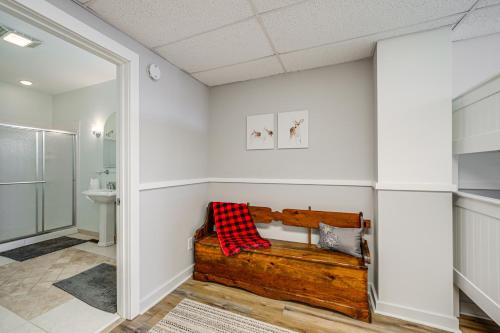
(194, 317)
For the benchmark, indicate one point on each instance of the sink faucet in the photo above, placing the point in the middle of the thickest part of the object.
(111, 185)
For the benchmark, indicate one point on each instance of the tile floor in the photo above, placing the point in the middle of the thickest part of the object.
(30, 303)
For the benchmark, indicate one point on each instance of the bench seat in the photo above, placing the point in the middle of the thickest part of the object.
(298, 251)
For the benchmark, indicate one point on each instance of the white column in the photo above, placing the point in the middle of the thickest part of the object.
(414, 180)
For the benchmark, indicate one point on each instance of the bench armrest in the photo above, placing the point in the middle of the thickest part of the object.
(366, 252)
(207, 227)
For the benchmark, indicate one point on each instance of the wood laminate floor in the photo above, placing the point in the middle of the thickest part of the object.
(291, 315)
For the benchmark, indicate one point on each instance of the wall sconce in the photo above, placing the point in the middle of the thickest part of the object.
(96, 131)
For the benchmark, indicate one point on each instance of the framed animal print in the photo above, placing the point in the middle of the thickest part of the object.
(293, 129)
(260, 131)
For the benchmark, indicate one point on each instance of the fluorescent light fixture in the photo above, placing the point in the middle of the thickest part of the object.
(26, 83)
(17, 38)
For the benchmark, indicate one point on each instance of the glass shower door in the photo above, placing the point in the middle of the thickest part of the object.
(20, 183)
(59, 179)
(37, 181)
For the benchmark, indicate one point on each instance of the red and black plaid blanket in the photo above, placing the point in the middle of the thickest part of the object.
(235, 228)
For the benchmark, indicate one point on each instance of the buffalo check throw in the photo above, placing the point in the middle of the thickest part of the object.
(235, 228)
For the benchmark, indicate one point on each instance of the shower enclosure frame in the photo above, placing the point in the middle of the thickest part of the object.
(40, 173)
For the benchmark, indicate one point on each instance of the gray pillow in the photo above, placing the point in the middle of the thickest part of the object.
(346, 240)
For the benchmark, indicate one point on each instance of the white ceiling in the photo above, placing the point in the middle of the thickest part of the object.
(54, 67)
(223, 41)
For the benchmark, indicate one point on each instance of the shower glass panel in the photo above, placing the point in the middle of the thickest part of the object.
(18, 155)
(36, 181)
(59, 180)
(18, 211)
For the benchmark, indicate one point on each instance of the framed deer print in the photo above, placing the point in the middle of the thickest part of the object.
(260, 131)
(293, 129)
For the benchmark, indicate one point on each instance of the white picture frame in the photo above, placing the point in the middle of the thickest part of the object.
(261, 132)
(293, 129)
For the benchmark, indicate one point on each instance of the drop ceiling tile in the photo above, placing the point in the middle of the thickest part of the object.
(328, 55)
(352, 50)
(318, 22)
(484, 3)
(480, 22)
(158, 22)
(241, 72)
(266, 5)
(226, 46)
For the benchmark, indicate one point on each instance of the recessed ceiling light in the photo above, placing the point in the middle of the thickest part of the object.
(26, 83)
(17, 38)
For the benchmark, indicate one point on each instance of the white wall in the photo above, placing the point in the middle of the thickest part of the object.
(79, 111)
(25, 106)
(341, 117)
(340, 100)
(176, 102)
(414, 133)
(414, 118)
(475, 61)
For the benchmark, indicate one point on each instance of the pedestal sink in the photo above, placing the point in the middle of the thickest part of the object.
(106, 201)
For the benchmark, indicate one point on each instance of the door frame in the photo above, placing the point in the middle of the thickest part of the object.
(46, 16)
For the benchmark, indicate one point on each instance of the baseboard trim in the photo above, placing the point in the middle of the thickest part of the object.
(483, 301)
(431, 319)
(159, 293)
(38, 238)
(89, 233)
(373, 296)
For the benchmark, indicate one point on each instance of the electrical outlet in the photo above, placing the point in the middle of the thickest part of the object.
(190, 243)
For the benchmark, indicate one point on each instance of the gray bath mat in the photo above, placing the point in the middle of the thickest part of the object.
(95, 286)
(39, 249)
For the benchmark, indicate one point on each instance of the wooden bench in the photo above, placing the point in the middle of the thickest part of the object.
(291, 271)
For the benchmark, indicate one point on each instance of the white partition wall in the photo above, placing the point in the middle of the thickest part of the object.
(414, 179)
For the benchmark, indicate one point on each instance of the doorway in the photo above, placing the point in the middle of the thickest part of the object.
(43, 15)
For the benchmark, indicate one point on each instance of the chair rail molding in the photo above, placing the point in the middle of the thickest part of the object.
(285, 181)
(416, 187)
(171, 183)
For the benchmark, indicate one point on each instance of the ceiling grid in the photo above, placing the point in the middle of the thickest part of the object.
(224, 41)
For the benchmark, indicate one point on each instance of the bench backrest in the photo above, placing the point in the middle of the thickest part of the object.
(309, 219)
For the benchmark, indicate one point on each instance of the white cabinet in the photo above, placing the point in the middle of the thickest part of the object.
(476, 119)
(476, 245)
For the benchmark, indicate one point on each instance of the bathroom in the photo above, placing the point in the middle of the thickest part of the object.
(58, 180)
